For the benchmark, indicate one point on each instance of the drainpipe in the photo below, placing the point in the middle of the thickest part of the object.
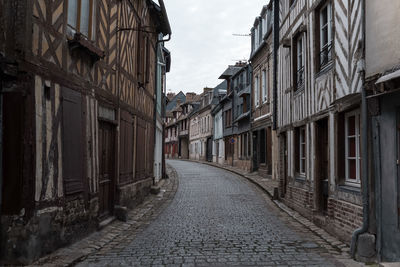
(364, 141)
(276, 48)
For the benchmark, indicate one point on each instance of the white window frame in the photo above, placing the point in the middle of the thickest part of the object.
(300, 58)
(301, 143)
(264, 86)
(256, 91)
(322, 27)
(357, 158)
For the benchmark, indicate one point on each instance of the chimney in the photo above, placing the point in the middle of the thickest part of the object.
(240, 64)
(190, 97)
(170, 95)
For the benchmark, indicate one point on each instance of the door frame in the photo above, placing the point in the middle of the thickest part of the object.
(321, 204)
(114, 181)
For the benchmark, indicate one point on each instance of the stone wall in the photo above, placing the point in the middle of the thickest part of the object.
(132, 194)
(23, 240)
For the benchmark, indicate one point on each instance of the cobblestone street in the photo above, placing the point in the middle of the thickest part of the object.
(219, 219)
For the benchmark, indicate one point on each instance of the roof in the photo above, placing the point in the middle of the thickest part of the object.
(160, 14)
(229, 72)
(173, 102)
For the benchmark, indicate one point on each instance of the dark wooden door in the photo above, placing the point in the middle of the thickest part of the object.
(285, 163)
(209, 149)
(322, 165)
(255, 150)
(107, 168)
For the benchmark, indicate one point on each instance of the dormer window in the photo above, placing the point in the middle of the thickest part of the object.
(82, 17)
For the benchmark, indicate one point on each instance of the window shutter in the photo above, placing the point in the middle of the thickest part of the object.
(126, 148)
(147, 68)
(72, 141)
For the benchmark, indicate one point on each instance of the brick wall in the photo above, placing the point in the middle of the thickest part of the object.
(300, 200)
(344, 217)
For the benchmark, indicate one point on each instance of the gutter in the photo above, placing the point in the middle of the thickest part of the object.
(364, 141)
(275, 77)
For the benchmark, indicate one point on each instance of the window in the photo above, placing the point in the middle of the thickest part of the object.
(299, 63)
(82, 17)
(352, 143)
(256, 91)
(228, 118)
(264, 85)
(300, 150)
(325, 34)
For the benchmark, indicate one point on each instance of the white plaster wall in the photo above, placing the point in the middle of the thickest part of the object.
(382, 35)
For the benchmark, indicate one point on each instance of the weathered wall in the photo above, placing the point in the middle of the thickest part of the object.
(382, 36)
(51, 215)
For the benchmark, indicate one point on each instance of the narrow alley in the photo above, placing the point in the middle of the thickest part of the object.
(219, 219)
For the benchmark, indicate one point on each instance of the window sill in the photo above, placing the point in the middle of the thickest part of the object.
(350, 189)
(300, 178)
(326, 68)
(299, 90)
(79, 42)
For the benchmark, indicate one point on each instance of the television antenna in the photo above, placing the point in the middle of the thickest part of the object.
(241, 34)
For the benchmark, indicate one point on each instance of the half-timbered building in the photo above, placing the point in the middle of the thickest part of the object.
(264, 155)
(319, 111)
(382, 98)
(78, 86)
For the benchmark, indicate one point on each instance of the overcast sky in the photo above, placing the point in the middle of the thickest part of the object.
(202, 44)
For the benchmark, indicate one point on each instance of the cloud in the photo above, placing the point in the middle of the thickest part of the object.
(202, 44)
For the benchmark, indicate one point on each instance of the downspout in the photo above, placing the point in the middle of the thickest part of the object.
(155, 108)
(276, 48)
(364, 141)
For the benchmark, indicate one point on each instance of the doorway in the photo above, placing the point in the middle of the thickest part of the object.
(107, 169)
(322, 166)
(284, 161)
(209, 149)
(255, 151)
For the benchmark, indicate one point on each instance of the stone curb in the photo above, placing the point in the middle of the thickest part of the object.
(116, 232)
(332, 241)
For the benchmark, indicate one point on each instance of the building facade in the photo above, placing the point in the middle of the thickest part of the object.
(265, 143)
(382, 84)
(319, 112)
(228, 104)
(201, 120)
(78, 117)
(241, 83)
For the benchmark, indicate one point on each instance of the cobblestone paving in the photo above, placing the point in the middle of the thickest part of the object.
(219, 219)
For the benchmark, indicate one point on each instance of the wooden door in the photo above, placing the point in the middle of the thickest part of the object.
(285, 163)
(209, 149)
(255, 150)
(107, 170)
(322, 165)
